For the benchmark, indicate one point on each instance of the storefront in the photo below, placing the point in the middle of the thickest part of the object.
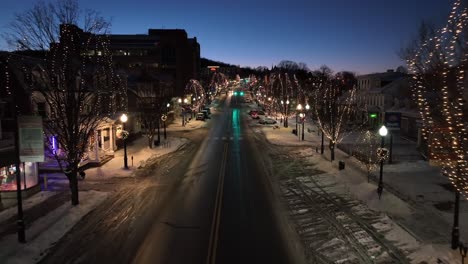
(29, 179)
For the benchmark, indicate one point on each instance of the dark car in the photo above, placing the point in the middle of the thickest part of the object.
(200, 116)
(207, 109)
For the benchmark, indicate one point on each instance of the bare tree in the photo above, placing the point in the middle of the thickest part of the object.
(152, 99)
(38, 27)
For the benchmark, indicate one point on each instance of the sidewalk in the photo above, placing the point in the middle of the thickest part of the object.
(49, 215)
(416, 196)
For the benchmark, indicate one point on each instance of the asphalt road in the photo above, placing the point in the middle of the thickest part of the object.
(208, 203)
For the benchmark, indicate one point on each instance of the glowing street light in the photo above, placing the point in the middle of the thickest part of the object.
(381, 154)
(124, 119)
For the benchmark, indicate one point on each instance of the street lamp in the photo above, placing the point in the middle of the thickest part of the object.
(282, 111)
(302, 115)
(382, 153)
(286, 116)
(124, 119)
(298, 108)
(307, 107)
(164, 119)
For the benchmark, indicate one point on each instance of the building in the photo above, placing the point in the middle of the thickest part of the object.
(390, 92)
(14, 91)
(168, 54)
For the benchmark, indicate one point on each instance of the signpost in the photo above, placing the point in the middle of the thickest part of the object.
(31, 139)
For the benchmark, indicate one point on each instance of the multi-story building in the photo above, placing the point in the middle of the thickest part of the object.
(15, 99)
(389, 92)
(171, 57)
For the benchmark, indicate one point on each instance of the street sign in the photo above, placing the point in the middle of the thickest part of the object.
(163, 118)
(393, 120)
(31, 139)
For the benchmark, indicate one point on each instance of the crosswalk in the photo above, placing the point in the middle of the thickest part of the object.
(225, 138)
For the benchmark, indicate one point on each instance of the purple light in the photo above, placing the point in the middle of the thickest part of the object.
(53, 139)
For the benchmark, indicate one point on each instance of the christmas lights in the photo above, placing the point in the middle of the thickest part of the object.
(439, 64)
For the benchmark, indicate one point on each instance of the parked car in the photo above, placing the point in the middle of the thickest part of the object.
(207, 109)
(267, 120)
(200, 116)
(206, 114)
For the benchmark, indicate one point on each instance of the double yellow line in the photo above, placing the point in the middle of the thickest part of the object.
(211, 257)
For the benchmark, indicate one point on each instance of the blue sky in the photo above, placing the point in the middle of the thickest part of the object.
(357, 35)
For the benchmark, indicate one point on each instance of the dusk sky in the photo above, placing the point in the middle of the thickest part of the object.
(357, 35)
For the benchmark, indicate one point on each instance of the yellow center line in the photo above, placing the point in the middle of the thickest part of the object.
(213, 243)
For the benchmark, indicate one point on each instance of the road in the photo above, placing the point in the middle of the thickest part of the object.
(207, 203)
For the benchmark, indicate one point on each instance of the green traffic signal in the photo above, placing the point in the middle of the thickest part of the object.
(373, 115)
(242, 93)
(235, 93)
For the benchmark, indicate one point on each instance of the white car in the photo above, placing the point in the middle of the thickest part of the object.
(267, 120)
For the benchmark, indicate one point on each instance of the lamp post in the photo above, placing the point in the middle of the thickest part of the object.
(307, 107)
(282, 111)
(382, 132)
(123, 119)
(164, 120)
(302, 116)
(298, 108)
(286, 116)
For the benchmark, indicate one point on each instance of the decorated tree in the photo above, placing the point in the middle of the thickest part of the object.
(39, 26)
(365, 151)
(438, 62)
(439, 65)
(333, 110)
(194, 90)
(75, 80)
(79, 89)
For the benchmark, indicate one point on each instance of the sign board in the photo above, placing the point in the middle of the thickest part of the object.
(393, 120)
(31, 139)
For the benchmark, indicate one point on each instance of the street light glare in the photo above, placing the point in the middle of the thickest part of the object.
(307, 106)
(299, 107)
(383, 131)
(123, 118)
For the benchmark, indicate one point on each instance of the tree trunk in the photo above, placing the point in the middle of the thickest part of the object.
(150, 141)
(159, 132)
(74, 187)
(332, 151)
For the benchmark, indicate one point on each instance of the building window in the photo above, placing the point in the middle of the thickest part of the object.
(28, 174)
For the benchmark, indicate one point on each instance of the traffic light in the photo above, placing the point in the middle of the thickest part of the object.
(235, 93)
(373, 115)
(242, 93)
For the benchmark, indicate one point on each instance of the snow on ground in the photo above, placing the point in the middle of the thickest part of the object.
(47, 230)
(415, 180)
(140, 152)
(27, 203)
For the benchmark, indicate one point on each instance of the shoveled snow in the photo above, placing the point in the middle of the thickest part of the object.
(414, 180)
(27, 203)
(47, 230)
